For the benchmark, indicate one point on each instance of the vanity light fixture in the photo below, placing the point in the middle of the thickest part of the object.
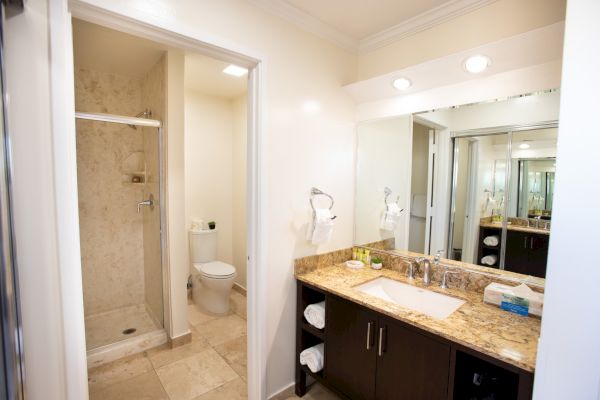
(477, 64)
(235, 70)
(524, 146)
(401, 83)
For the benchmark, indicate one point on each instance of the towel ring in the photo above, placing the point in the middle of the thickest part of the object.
(388, 192)
(315, 192)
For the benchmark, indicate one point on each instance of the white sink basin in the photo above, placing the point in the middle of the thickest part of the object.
(434, 304)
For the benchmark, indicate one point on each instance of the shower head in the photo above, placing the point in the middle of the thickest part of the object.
(144, 114)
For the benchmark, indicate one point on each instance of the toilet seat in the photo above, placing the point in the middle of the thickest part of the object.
(215, 270)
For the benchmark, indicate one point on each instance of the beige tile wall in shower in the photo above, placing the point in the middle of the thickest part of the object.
(111, 230)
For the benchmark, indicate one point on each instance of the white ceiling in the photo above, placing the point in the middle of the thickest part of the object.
(360, 25)
(204, 74)
(106, 50)
(359, 18)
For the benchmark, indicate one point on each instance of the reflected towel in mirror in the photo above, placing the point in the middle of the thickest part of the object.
(489, 260)
(491, 240)
(390, 217)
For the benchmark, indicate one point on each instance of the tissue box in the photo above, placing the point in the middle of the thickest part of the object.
(496, 293)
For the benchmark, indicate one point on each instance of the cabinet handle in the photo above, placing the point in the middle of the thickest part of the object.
(369, 325)
(381, 340)
(525, 242)
(531, 242)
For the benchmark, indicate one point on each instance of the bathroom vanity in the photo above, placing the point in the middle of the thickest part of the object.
(376, 349)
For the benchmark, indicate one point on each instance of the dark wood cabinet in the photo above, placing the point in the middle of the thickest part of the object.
(371, 356)
(350, 350)
(527, 253)
(411, 364)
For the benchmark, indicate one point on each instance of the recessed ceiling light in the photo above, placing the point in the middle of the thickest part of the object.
(477, 64)
(235, 70)
(524, 146)
(401, 83)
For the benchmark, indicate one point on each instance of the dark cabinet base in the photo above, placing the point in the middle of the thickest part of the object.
(371, 356)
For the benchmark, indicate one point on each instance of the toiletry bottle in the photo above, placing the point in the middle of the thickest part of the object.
(354, 254)
(367, 257)
(359, 255)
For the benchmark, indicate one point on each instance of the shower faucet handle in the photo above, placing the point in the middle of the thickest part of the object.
(148, 203)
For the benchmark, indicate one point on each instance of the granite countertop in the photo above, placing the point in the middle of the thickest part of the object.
(476, 325)
(511, 227)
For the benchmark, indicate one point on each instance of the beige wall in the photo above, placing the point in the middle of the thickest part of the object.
(215, 171)
(153, 98)
(112, 251)
(501, 19)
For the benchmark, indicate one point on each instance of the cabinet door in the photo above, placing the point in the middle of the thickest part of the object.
(350, 355)
(517, 252)
(538, 256)
(410, 365)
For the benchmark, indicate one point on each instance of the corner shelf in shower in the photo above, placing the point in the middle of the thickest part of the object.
(134, 166)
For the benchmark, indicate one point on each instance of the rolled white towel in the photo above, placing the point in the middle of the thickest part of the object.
(315, 314)
(313, 357)
(489, 260)
(491, 240)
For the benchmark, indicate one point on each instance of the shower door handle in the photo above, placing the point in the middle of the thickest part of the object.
(148, 203)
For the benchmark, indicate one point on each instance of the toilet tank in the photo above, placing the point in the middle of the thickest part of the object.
(203, 245)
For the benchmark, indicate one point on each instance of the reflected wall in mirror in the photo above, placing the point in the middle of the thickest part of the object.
(457, 178)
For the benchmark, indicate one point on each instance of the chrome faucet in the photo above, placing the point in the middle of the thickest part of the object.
(444, 284)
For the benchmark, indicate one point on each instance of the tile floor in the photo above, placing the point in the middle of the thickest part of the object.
(107, 327)
(211, 367)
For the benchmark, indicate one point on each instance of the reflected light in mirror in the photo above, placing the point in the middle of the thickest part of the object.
(524, 146)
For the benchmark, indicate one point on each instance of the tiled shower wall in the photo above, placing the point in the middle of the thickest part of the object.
(120, 248)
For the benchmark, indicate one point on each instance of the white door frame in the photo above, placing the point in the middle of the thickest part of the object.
(63, 114)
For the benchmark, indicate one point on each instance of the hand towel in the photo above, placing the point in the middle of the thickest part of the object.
(313, 357)
(419, 206)
(489, 260)
(321, 228)
(491, 240)
(390, 217)
(315, 314)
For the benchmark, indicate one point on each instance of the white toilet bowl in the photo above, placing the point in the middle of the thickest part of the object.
(211, 285)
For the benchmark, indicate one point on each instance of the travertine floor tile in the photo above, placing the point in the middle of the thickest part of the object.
(237, 302)
(142, 387)
(196, 375)
(234, 352)
(164, 355)
(234, 390)
(196, 315)
(222, 329)
(118, 371)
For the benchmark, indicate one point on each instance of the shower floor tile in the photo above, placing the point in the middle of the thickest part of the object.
(108, 327)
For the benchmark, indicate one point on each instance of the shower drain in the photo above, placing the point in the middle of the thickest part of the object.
(129, 331)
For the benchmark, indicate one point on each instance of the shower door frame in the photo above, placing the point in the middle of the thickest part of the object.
(147, 123)
(63, 128)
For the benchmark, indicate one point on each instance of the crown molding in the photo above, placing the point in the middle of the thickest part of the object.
(421, 22)
(307, 22)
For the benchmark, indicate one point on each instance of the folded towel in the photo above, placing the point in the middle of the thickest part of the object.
(315, 314)
(313, 357)
(390, 217)
(491, 240)
(321, 228)
(489, 260)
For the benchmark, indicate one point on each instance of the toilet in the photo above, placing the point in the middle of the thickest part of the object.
(212, 280)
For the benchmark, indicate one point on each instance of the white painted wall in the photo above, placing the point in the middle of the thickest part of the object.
(239, 225)
(384, 157)
(568, 363)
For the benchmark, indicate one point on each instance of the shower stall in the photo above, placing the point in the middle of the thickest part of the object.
(121, 192)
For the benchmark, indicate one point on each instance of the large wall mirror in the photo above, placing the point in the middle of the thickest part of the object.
(474, 183)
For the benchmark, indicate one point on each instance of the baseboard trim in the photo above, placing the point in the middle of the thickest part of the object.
(284, 393)
(240, 289)
(180, 340)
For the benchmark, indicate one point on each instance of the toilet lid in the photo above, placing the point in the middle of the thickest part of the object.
(216, 269)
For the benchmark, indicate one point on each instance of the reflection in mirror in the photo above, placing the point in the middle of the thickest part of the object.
(461, 182)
